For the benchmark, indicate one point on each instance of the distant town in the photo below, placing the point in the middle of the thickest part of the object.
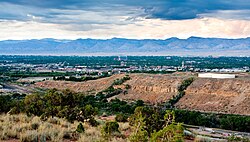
(118, 64)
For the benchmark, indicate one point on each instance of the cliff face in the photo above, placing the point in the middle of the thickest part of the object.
(218, 95)
(151, 88)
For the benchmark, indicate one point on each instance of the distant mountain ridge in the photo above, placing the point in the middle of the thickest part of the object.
(171, 46)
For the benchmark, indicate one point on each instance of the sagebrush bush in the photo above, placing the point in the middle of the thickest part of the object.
(29, 136)
(80, 128)
(121, 118)
(93, 122)
(109, 129)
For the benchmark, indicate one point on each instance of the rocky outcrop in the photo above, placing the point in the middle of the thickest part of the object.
(218, 95)
(151, 88)
(147, 87)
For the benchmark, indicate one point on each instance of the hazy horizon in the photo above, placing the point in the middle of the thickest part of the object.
(127, 38)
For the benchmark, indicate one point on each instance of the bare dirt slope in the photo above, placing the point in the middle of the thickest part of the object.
(91, 86)
(147, 87)
(218, 95)
(151, 88)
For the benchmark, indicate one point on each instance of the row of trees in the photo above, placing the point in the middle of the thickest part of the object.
(181, 92)
(121, 81)
(19, 74)
(72, 106)
(224, 121)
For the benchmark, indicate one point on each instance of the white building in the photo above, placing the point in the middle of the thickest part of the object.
(215, 75)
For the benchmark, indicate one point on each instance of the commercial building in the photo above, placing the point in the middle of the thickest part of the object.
(215, 75)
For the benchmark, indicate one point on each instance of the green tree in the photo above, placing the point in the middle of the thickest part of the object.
(53, 100)
(5, 103)
(139, 133)
(109, 129)
(153, 120)
(34, 104)
(172, 132)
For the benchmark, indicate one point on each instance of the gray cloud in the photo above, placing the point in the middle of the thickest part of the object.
(89, 15)
(163, 9)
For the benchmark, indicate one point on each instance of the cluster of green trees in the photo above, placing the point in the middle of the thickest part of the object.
(67, 104)
(22, 74)
(224, 121)
(63, 104)
(121, 81)
(181, 92)
(111, 91)
(7, 102)
(149, 124)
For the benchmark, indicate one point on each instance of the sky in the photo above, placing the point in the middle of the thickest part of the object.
(136, 19)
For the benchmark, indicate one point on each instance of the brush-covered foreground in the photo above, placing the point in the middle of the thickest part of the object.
(31, 129)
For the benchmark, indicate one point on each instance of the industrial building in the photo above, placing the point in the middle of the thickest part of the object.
(216, 75)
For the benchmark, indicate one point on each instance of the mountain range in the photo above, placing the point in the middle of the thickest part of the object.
(193, 46)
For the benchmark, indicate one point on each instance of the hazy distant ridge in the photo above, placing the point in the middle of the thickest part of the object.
(120, 45)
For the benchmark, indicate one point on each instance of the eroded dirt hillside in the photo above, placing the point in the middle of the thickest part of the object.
(218, 95)
(151, 88)
(91, 86)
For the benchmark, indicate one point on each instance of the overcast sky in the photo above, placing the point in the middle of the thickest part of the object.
(137, 19)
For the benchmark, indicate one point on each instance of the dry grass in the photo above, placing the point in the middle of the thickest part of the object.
(31, 129)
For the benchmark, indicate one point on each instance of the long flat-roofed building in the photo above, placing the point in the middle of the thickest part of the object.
(215, 75)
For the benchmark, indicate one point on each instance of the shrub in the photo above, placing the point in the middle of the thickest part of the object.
(110, 128)
(127, 86)
(53, 120)
(80, 128)
(121, 118)
(171, 133)
(14, 110)
(29, 136)
(93, 122)
(34, 126)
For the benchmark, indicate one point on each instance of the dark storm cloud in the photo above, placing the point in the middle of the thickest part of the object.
(190, 9)
(52, 10)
